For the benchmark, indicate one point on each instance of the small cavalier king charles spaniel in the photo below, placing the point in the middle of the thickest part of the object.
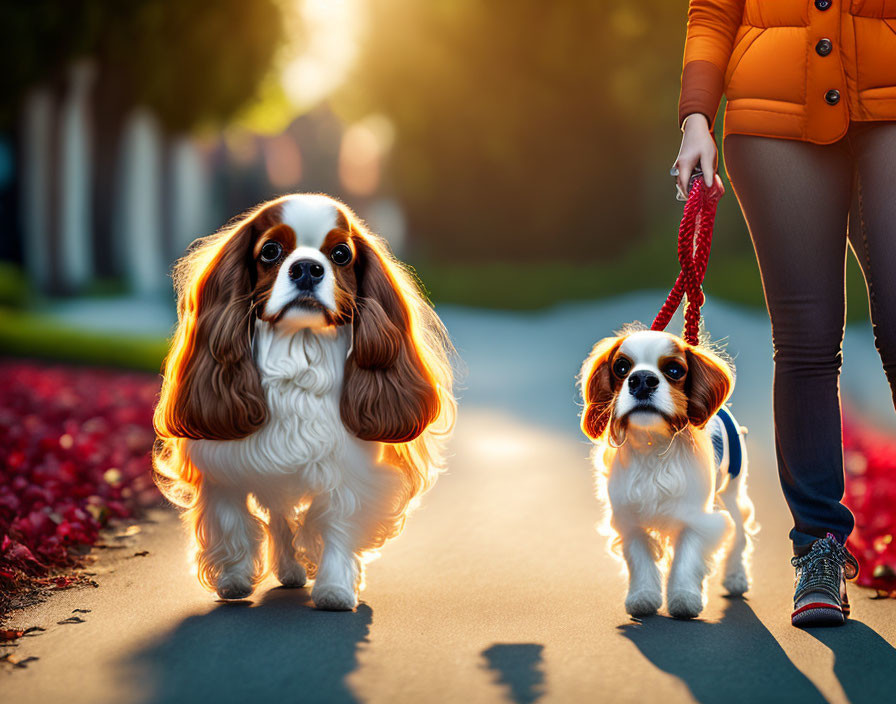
(306, 400)
(671, 462)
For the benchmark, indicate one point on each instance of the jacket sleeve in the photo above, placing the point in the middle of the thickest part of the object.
(712, 25)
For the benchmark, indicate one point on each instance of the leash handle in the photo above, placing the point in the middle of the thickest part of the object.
(694, 242)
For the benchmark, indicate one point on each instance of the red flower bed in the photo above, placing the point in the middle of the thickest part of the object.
(74, 453)
(870, 460)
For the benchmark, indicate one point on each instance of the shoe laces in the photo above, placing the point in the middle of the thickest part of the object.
(820, 569)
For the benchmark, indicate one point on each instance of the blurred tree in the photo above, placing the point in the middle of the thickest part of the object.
(190, 62)
(193, 63)
(37, 41)
(527, 128)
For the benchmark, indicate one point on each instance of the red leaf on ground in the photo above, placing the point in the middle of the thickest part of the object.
(74, 451)
(870, 462)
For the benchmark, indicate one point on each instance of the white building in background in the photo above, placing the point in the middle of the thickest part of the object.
(138, 216)
(168, 191)
(189, 193)
(161, 202)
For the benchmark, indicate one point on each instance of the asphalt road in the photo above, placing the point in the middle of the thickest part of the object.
(499, 589)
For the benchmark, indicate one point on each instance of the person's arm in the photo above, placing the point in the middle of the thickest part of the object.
(712, 25)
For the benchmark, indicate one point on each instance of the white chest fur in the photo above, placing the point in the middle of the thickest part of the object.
(304, 438)
(661, 481)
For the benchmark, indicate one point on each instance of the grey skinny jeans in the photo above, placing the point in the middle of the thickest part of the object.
(803, 202)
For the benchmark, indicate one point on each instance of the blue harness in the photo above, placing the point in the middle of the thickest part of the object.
(726, 433)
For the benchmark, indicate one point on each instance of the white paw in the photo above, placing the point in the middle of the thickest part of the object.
(291, 574)
(331, 597)
(234, 586)
(643, 603)
(736, 582)
(685, 604)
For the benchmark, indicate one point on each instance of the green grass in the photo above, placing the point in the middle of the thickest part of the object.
(27, 334)
(14, 289)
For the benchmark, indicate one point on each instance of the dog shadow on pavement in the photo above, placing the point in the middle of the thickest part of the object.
(274, 648)
(734, 660)
(864, 662)
(518, 666)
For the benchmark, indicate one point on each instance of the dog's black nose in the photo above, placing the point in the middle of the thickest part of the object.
(642, 384)
(306, 274)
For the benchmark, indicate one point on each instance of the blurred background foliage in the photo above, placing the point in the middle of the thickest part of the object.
(525, 123)
(191, 61)
(515, 152)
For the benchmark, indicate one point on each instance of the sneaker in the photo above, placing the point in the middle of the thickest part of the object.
(820, 597)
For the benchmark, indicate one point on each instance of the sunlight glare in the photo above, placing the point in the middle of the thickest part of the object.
(333, 29)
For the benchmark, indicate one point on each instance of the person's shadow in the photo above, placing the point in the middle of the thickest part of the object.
(864, 662)
(517, 666)
(276, 648)
(734, 660)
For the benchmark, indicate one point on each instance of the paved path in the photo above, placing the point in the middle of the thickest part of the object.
(499, 589)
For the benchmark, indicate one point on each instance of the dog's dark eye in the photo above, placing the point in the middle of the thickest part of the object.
(271, 252)
(674, 371)
(621, 367)
(341, 254)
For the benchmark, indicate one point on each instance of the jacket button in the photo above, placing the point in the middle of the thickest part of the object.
(824, 47)
(832, 97)
(823, 4)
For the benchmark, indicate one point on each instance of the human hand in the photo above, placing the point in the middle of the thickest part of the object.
(698, 149)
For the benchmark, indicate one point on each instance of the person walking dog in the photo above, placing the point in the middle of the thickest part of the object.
(810, 149)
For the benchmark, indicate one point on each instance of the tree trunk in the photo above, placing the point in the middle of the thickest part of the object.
(74, 215)
(36, 202)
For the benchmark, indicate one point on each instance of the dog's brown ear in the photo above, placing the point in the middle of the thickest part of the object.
(598, 387)
(389, 393)
(710, 381)
(211, 388)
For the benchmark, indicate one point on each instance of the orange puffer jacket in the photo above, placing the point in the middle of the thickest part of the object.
(796, 69)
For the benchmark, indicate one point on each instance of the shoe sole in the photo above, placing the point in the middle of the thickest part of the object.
(819, 614)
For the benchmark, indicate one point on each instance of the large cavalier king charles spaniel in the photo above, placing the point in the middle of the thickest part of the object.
(307, 396)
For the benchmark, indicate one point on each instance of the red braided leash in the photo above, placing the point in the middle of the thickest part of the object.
(694, 241)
